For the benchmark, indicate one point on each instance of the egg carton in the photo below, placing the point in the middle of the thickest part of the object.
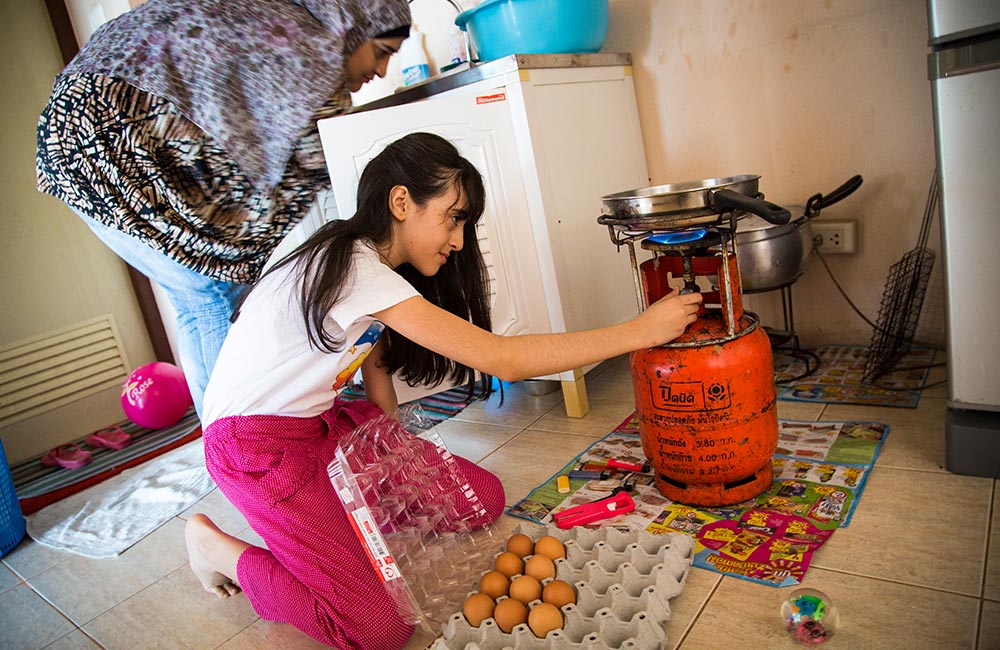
(413, 510)
(624, 581)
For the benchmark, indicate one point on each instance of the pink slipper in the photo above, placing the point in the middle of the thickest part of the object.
(68, 456)
(111, 437)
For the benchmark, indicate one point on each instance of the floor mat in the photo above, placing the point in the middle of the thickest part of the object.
(838, 378)
(819, 476)
(38, 486)
(438, 407)
(100, 509)
(108, 518)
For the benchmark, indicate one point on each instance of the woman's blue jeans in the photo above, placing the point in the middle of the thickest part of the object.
(203, 305)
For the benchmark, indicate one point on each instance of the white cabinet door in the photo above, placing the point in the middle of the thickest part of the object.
(484, 134)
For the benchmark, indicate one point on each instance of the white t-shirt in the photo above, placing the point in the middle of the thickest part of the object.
(267, 365)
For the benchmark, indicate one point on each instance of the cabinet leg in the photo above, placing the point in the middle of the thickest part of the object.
(575, 396)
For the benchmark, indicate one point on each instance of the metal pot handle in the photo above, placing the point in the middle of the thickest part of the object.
(727, 201)
(819, 201)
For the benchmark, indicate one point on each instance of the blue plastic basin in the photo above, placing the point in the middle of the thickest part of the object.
(498, 28)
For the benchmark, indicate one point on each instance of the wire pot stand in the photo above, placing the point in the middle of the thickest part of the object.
(902, 300)
(787, 341)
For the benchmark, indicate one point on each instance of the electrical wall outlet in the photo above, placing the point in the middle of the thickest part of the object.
(835, 236)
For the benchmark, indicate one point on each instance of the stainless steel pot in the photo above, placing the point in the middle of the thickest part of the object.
(692, 203)
(774, 256)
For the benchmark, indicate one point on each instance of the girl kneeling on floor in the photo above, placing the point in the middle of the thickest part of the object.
(401, 286)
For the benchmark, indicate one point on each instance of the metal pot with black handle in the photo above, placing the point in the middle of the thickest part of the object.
(772, 255)
(681, 205)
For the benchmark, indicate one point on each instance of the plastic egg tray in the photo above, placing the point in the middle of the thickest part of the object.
(624, 581)
(412, 509)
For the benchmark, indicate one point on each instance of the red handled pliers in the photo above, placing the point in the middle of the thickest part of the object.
(618, 502)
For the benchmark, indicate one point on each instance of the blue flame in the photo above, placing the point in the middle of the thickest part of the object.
(681, 237)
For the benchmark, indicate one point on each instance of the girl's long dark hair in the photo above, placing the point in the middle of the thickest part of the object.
(428, 165)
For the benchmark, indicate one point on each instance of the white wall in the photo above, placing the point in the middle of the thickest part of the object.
(806, 94)
(55, 272)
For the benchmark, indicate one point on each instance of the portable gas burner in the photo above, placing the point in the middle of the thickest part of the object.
(706, 401)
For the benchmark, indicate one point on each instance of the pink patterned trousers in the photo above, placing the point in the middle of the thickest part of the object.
(314, 573)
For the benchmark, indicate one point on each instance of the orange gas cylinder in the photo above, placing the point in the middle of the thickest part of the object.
(706, 401)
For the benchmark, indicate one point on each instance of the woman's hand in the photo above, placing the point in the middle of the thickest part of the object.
(668, 317)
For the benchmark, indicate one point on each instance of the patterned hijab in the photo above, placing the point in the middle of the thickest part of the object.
(250, 73)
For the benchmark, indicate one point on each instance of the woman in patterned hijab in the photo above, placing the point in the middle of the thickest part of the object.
(184, 134)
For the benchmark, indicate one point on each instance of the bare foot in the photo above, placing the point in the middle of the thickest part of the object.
(213, 555)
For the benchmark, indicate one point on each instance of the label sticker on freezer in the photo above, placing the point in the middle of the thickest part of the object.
(489, 99)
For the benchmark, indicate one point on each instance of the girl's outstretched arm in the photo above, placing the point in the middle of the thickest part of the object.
(512, 358)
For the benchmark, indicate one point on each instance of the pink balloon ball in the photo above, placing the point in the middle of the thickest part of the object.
(156, 395)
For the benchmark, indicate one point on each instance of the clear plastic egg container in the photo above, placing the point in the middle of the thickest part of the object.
(420, 521)
(624, 581)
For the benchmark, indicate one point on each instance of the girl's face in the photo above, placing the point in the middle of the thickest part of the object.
(426, 235)
(370, 61)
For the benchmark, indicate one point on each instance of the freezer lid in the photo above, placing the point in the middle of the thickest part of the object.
(951, 20)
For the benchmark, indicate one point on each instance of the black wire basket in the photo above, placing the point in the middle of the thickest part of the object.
(902, 300)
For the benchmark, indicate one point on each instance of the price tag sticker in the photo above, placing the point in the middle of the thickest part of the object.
(375, 546)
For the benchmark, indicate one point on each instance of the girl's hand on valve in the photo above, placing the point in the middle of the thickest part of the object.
(668, 317)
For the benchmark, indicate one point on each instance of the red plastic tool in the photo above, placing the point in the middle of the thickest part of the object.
(617, 504)
(631, 467)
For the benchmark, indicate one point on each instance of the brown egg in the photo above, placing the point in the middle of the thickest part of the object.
(550, 547)
(558, 593)
(520, 545)
(525, 589)
(544, 618)
(540, 567)
(477, 608)
(494, 584)
(510, 612)
(509, 564)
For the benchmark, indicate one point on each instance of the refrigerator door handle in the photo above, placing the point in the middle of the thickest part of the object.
(963, 59)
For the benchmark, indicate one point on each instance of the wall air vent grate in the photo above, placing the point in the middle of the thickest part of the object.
(54, 369)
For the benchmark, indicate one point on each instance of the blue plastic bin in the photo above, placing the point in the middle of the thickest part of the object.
(11, 518)
(498, 28)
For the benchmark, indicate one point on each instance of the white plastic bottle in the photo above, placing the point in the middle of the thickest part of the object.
(413, 59)
(457, 47)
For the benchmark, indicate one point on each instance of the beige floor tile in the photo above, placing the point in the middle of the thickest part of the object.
(519, 408)
(474, 440)
(84, 587)
(613, 367)
(989, 626)
(27, 621)
(911, 527)
(8, 579)
(992, 588)
(916, 436)
(272, 636)
(216, 507)
(30, 558)
(605, 415)
(613, 382)
(873, 615)
(937, 379)
(685, 608)
(174, 612)
(420, 640)
(804, 411)
(75, 640)
(530, 458)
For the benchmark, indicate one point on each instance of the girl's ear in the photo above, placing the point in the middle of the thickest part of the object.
(399, 199)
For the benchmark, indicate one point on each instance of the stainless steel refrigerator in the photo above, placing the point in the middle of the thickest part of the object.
(964, 69)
